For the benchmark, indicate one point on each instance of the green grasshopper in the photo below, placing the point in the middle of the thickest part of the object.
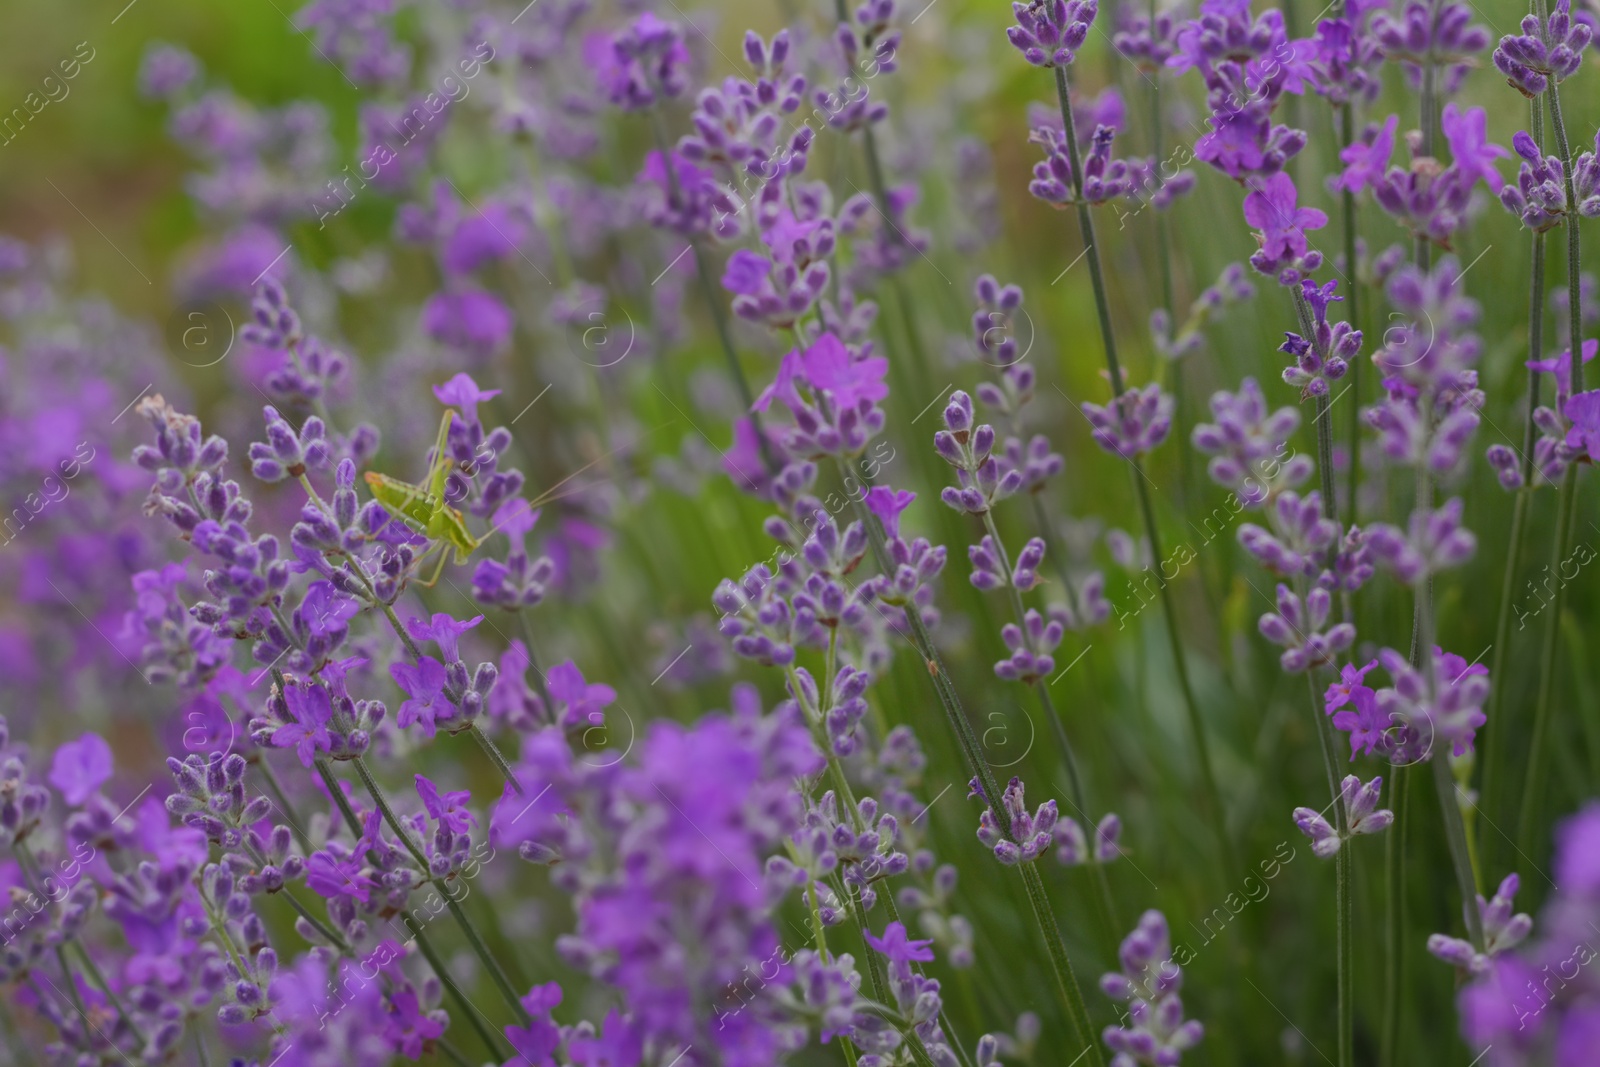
(423, 507)
(425, 510)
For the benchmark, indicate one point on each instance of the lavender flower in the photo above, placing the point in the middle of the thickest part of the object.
(1300, 537)
(1154, 1030)
(1325, 355)
(1546, 49)
(641, 64)
(1423, 33)
(1138, 421)
(1298, 627)
(1031, 833)
(1502, 931)
(1433, 541)
(1272, 208)
(1050, 32)
(1072, 847)
(1247, 446)
(982, 480)
(1361, 812)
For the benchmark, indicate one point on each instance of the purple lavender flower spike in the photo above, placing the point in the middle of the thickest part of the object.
(1522, 1002)
(1367, 160)
(1421, 32)
(1299, 539)
(1247, 446)
(1298, 627)
(1434, 541)
(1033, 831)
(1138, 421)
(1050, 32)
(1031, 646)
(1154, 1030)
(640, 64)
(1422, 716)
(1502, 931)
(1551, 49)
(1325, 356)
(982, 481)
(1362, 816)
(1272, 208)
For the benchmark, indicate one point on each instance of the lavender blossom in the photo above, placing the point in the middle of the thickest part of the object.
(1362, 816)
(1154, 1030)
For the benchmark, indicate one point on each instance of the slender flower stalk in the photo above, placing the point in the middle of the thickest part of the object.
(1494, 757)
(1104, 900)
(972, 753)
(1394, 919)
(1342, 881)
(1533, 783)
(353, 823)
(1118, 387)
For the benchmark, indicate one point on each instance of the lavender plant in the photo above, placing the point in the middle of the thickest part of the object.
(504, 616)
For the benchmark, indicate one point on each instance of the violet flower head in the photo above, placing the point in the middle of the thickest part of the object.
(1272, 207)
(833, 396)
(1551, 49)
(1147, 44)
(1583, 412)
(1299, 540)
(1031, 832)
(1072, 847)
(1361, 812)
(1154, 1030)
(166, 71)
(1539, 195)
(1431, 32)
(1031, 645)
(1297, 626)
(1325, 356)
(1367, 159)
(1424, 716)
(641, 64)
(982, 480)
(1434, 541)
(1502, 930)
(79, 768)
(994, 323)
(1537, 1004)
(1344, 60)
(1138, 421)
(1247, 446)
(1050, 32)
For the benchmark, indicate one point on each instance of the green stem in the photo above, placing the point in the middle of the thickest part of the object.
(1108, 340)
(1341, 862)
(496, 973)
(1202, 747)
(1394, 918)
(496, 757)
(1496, 740)
(1352, 298)
(1494, 749)
(1533, 781)
(1455, 833)
(477, 1022)
(1091, 250)
(972, 753)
